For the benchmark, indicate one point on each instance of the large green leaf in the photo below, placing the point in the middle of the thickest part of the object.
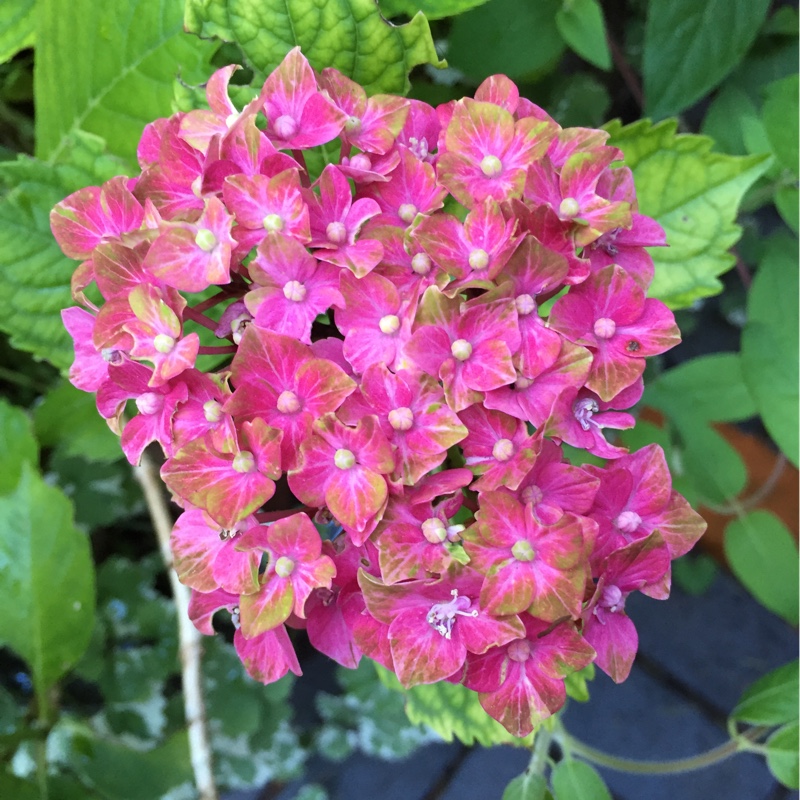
(432, 9)
(782, 755)
(17, 27)
(691, 45)
(695, 195)
(580, 23)
(780, 121)
(769, 343)
(772, 699)
(17, 445)
(763, 555)
(47, 576)
(109, 68)
(350, 35)
(515, 37)
(528, 786)
(34, 273)
(576, 780)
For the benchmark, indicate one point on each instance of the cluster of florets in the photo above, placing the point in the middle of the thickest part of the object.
(404, 337)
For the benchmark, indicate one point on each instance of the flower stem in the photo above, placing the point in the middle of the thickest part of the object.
(189, 638)
(200, 318)
(218, 350)
(215, 300)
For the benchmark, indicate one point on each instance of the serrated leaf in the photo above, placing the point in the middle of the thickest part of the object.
(432, 9)
(350, 35)
(576, 780)
(17, 445)
(18, 29)
(769, 343)
(694, 194)
(34, 273)
(690, 46)
(46, 567)
(515, 37)
(780, 120)
(772, 699)
(763, 556)
(709, 388)
(528, 786)
(453, 711)
(782, 755)
(580, 23)
(109, 69)
(68, 420)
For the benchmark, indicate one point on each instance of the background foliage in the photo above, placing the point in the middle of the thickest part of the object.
(89, 691)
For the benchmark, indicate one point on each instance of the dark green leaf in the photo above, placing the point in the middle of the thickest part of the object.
(109, 69)
(18, 28)
(763, 555)
(691, 46)
(728, 113)
(68, 420)
(782, 758)
(771, 700)
(515, 37)
(695, 195)
(694, 573)
(787, 201)
(580, 23)
(575, 780)
(350, 35)
(580, 100)
(46, 567)
(782, 23)
(769, 343)
(780, 120)
(17, 445)
(432, 9)
(17, 789)
(528, 786)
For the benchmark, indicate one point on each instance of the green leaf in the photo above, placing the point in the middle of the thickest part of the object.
(528, 786)
(780, 120)
(772, 699)
(350, 35)
(787, 201)
(730, 111)
(68, 420)
(575, 780)
(35, 274)
(17, 445)
(782, 755)
(453, 711)
(18, 29)
(694, 194)
(580, 23)
(694, 573)
(763, 556)
(46, 567)
(17, 788)
(769, 343)
(432, 9)
(515, 37)
(580, 100)
(577, 683)
(690, 46)
(709, 388)
(109, 69)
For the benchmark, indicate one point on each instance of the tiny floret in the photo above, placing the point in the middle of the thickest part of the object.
(164, 343)
(212, 411)
(335, 232)
(389, 324)
(401, 419)
(284, 567)
(434, 530)
(478, 259)
(503, 449)
(205, 240)
(491, 166)
(344, 459)
(461, 349)
(244, 462)
(421, 264)
(288, 402)
(525, 304)
(407, 212)
(523, 551)
(628, 521)
(442, 616)
(273, 222)
(285, 126)
(604, 328)
(569, 207)
(294, 291)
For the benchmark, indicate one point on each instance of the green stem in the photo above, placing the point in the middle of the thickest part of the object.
(541, 749)
(41, 769)
(674, 767)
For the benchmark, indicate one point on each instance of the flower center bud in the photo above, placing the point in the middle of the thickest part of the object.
(205, 240)
(361, 161)
(353, 125)
(569, 207)
(454, 532)
(344, 459)
(244, 462)
(285, 127)
(407, 212)
(525, 304)
(612, 598)
(336, 232)
(434, 531)
(522, 383)
(628, 521)
(212, 411)
(401, 419)
(421, 264)
(273, 222)
(503, 449)
(288, 402)
(478, 259)
(442, 616)
(604, 328)
(163, 343)
(491, 166)
(150, 403)
(111, 356)
(519, 650)
(461, 349)
(531, 494)
(583, 411)
(294, 291)
(284, 567)
(523, 551)
(389, 324)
